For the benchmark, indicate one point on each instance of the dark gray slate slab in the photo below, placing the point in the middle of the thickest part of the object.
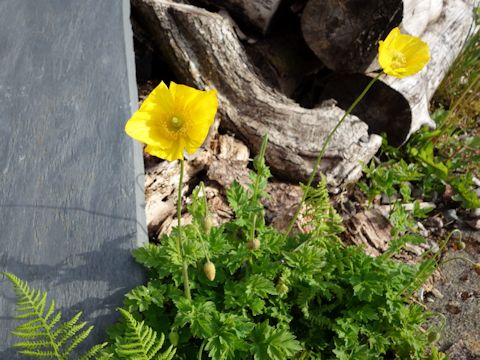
(71, 183)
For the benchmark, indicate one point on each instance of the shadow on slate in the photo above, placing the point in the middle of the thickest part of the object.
(71, 181)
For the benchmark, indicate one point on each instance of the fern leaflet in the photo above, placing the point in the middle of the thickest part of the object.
(140, 341)
(45, 336)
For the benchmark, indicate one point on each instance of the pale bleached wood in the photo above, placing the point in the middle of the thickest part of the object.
(203, 50)
(255, 13)
(446, 36)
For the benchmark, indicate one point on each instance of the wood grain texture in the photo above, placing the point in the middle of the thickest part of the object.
(344, 33)
(255, 13)
(203, 50)
(445, 35)
(71, 181)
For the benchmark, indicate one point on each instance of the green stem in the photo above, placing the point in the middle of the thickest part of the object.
(186, 285)
(457, 258)
(324, 148)
(260, 158)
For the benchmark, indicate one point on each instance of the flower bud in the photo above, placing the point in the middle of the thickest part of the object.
(173, 337)
(253, 244)
(476, 267)
(209, 270)
(459, 245)
(207, 223)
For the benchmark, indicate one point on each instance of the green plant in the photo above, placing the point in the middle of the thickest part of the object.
(43, 333)
(303, 296)
(45, 336)
(423, 162)
(138, 342)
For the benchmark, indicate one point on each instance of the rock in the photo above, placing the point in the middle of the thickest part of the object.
(474, 224)
(387, 200)
(475, 213)
(476, 181)
(450, 215)
(434, 222)
(437, 293)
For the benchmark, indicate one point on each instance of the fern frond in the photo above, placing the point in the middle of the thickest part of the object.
(44, 335)
(94, 352)
(140, 341)
(320, 214)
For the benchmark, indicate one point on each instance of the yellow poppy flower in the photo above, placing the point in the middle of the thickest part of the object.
(171, 120)
(402, 55)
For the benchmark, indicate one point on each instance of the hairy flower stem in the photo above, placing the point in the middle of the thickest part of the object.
(324, 148)
(186, 285)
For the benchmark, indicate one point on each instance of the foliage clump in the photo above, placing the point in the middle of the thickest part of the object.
(305, 296)
(256, 293)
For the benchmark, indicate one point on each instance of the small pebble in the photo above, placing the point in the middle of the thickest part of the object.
(476, 181)
(434, 247)
(334, 190)
(386, 200)
(437, 293)
(474, 224)
(475, 213)
(453, 308)
(434, 222)
(451, 215)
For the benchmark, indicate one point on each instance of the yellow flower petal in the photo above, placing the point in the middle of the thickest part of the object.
(170, 153)
(144, 127)
(402, 55)
(173, 119)
(161, 98)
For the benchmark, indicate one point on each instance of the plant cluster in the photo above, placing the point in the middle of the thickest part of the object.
(45, 335)
(271, 296)
(426, 161)
(446, 157)
(250, 291)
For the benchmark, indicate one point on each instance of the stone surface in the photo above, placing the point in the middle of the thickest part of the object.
(71, 183)
(460, 287)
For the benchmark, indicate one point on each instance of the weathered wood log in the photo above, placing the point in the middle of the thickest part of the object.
(204, 51)
(417, 15)
(344, 33)
(445, 35)
(445, 27)
(256, 13)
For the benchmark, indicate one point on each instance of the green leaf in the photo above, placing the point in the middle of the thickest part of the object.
(140, 342)
(269, 343)
(44, 335)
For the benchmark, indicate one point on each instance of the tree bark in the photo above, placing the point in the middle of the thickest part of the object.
(256, 13)
(204, 51)
(344, 33)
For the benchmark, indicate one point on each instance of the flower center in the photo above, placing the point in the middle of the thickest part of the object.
(398, 59)
(175, 123)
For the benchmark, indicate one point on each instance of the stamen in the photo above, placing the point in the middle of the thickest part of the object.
(175, 123)
(398, 59)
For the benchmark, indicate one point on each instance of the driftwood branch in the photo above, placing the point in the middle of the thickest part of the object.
(203, 50)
